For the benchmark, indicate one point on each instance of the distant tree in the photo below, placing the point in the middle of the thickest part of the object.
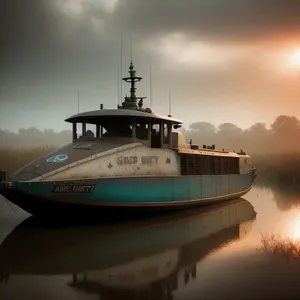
(202, 133)
(281, 137)
(230, 136)
(285, 124)
(203, 128)
(285, 132)
(258, 138)
(229, 128)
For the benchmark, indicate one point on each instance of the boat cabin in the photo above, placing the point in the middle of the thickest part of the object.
(133, 125)
(130, 121)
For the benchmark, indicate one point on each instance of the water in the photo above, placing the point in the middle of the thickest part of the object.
(208, 253)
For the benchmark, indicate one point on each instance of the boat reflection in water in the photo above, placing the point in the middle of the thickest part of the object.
(142, 259)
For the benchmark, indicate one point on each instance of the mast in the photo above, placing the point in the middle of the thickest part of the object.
(121, 71)
(170, 104)
(119, 94)
(78, 101)
(151, 105)
(131, 101)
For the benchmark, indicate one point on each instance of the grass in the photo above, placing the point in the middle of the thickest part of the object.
(279, 247)
(13, 159)
(281, 169)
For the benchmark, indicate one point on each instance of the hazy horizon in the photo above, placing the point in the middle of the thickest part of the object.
(224, 61)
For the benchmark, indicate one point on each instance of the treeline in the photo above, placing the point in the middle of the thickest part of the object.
(34, 138)
(281, 137)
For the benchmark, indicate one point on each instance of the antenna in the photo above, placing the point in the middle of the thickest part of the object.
(121, 92)
(119, 86)
(130, 51)
(150, 88)
(170, 103)
(78, 101)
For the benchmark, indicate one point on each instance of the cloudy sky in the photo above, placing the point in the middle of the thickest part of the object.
(223, 60)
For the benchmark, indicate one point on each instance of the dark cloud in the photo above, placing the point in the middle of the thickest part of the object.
(47, 54)
(234, 19)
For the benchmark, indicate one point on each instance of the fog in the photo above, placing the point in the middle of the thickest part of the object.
(280, 137)
(224, 61)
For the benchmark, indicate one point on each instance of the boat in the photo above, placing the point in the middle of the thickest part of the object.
(135, 161)
(122, 258)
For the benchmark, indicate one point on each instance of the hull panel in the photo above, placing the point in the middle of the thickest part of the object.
(135, 193)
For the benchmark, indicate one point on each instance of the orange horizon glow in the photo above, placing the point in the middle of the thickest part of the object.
(296, 230)
(294, 58)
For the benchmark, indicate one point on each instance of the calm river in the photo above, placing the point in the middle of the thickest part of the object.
(208, 253)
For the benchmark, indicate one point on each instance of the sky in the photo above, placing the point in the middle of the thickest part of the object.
(232, 61)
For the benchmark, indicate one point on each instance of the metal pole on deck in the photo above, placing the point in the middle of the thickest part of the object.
(78, 101)
(101, 128)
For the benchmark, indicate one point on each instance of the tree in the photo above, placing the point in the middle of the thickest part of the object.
(203, 127)
(285, 131)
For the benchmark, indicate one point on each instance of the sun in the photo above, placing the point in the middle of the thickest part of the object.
(296, 231)
(294, 58)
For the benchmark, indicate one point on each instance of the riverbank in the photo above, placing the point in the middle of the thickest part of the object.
(280, 169)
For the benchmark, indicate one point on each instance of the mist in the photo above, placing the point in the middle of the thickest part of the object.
(223, 61)
(257, 139)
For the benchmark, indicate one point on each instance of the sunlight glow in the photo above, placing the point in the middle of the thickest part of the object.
(77, 8)
(295, 58)
(296, 230)
(287, 60)
(181, 49)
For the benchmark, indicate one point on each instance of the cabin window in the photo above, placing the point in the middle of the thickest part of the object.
(161, 135)
(83, 131)
(117, 130)
(208, 165)
(90, 132)
(158, 135)
(142, 130)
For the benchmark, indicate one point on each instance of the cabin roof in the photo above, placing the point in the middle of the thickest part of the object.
(93, 116)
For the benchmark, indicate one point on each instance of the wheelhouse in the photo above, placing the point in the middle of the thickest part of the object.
(133, 125)
(130, 122)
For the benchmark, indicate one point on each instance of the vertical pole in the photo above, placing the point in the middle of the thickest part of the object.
(170, 135)
(161, 125)
(150, 88)
(150, 133)
(118, 82)
(130, 50)
(97, 131)
(121, 93)
(101, 128)
(133, 128)
(74, 131)
(78, 101)
(169, 104)
(83, 128)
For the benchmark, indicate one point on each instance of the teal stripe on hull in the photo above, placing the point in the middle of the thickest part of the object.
(164, 190)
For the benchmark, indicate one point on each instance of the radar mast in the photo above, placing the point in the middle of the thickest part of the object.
(131, 101)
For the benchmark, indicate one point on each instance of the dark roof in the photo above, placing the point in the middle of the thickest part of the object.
(93, 116)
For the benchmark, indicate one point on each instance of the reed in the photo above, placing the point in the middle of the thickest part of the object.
(280, 247)
(13, 159)
(281, 168)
